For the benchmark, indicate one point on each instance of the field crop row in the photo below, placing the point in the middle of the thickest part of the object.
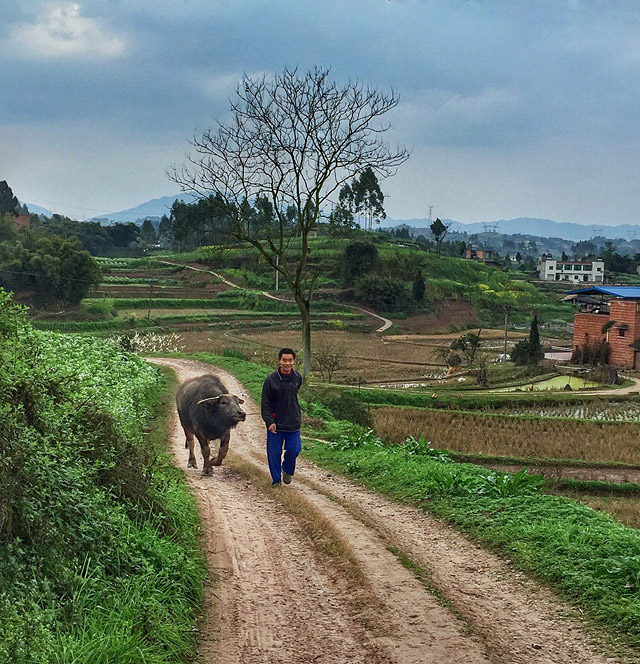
(596, 409)
(472, 433)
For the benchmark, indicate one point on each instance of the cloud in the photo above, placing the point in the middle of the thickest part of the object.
(63, 33)
(449, 117)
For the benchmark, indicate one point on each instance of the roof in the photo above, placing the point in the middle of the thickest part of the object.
(622, 292)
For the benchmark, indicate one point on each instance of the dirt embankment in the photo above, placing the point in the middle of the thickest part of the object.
(278, 596)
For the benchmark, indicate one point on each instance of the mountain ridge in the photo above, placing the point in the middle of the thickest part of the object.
(573, 231)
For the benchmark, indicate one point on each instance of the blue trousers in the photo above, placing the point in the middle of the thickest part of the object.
(292, 446)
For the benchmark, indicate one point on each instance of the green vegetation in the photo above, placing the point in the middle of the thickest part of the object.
(51, 267)
(98, 537)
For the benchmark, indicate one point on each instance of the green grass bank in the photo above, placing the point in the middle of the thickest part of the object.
(99, 557)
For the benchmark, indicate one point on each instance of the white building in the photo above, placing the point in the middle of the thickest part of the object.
(585, 271)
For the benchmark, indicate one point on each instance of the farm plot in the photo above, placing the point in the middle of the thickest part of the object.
(494, 435)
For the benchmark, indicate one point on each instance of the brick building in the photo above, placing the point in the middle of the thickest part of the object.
(622, 314)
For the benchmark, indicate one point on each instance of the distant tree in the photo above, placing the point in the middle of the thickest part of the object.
(7, 228)
(528, 351)
(519, 257)
(326, 359)
(123, 235)
(564, 257)
(358, 259)
(341, 219)
(438, 231)
(8, 202)
(368, 197)
(54, 268)
(148, 233)
(468, 344)
(455, 248)
(165, 231)
(581, 249)
(454, 360)
(418, 287)
(265, 214)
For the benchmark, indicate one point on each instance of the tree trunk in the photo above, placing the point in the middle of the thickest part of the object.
(305, 314)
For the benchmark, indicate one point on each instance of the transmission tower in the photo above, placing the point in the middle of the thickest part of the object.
(430, 213)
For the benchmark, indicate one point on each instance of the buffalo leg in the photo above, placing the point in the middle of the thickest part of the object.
(189, 443)
(204, 446)
(224, 447)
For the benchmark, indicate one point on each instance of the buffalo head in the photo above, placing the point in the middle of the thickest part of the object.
(227, 405)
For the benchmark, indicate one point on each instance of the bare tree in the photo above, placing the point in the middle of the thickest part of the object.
(326, 359)
(296, 139)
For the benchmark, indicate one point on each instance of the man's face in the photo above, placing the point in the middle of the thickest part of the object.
(286, 363)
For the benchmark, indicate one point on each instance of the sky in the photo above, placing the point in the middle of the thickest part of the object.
(511, 108)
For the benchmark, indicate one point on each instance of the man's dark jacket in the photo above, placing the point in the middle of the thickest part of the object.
(280, 401)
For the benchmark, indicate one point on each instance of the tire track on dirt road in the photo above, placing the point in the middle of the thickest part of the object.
(278, 598)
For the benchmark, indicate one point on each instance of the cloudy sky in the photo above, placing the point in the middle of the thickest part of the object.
(510, 107)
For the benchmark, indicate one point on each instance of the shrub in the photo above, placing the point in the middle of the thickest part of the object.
(383, 292)
(359, 258)
(343, 406)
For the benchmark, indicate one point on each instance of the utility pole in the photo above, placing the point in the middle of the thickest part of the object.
(506, 315)
(277, 272)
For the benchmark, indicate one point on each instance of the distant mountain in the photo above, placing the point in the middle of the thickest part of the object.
(153, 208)
(36, 209)
(573, 232)
(530, 226)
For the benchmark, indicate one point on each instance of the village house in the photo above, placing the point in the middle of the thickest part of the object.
(585, 271)
(615, 320)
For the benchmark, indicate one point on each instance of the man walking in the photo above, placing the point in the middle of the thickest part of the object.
(281, 413)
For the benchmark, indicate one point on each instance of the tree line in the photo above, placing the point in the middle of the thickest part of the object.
(46, 265)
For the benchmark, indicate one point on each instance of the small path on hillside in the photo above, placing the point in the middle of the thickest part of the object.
(386, 323)
(279, 599)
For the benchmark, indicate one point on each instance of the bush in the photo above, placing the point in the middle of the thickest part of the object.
(343, 406)
(359, 258)
(382, 292)
(97, 534)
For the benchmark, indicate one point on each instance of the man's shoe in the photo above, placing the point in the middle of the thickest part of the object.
(286, 478)
(276, 484)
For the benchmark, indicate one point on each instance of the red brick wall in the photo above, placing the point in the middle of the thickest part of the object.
(623, 312)
(590, 324)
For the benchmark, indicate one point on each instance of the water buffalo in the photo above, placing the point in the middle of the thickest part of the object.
(208, 411)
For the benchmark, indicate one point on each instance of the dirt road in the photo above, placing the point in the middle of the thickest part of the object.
(324, 571)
